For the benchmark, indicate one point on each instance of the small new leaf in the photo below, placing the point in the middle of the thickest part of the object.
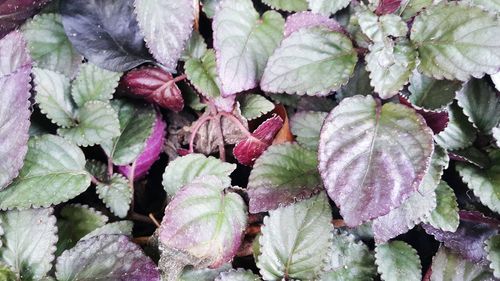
(202, 73)
(254, 106)
(116, 194)
(397, 260)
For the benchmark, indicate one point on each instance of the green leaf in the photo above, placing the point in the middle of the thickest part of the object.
(455, 41)
(94, 84)
(116, 194)
(490, 5)
(284, 174)
(446, 265)
(205, 274)
(49, 46)
(6, 273)
(295, 240)
(493, 250)
(209, 7)
(397, 261)
(287, 5)
(243, 42)
(312, 61)
(237, 275)
(348, 260)
(117, 228)
(185, 169)
(53, 96)
(53, 172)
(74, 222)
(196, 47)
(390, 65)
(202, 73)
(359, 84)
(481, 104)
(29, 240)
(254, 106)
(409, 8)
(379, 28)
(97, 123)
(136, 125)
(431, 94)
(459, 133)
(445, 215)
(327, 7)
(306, 126)
(484, 182)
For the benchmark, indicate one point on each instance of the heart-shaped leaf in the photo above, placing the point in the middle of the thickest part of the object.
(459, 133)
(312, 61)
(379, 136)
(106, 257)
(397, 260)
(287, 5)
(284, 174)
(327, 7)
(431, 94)
(295, 240)
(14, 12)
(30, 261)
(463, 47)
(243, 42)
(49, 46)
(445, 215)
(15, 68)
(254, 106)
(105, 32)
(94, 83)
(306, 126)
(166, 19)
(116, 194)
(202, 73)
(54, 172)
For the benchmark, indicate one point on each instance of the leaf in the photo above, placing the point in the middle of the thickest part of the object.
(463, 47)
(205, 222)
(284, 174)
(459, 133)
(196, 47)
(6, 273)
(54, 172)
(209, 7)
(185, 169)
(204, 274)
(254, 106)
(431, 94)
(348, 260)
(15, 68)
(53, 96)
(298, 21)
(116, 194)
(359, 84)
(166, 19)
(493, 249)
(387, 6)
(49, 46)
(327, 7)
(238, 275)
(378, 28)
(155, 86)
(447, 265)
(496, 134)
(151, 152)
(312, 61)
(419, 205)
(306, 126)
(14, 12)
(74, 222)
(436, 120)
(410, 8)
(481, 104)
(111, 27)
(490, 5)
(94, 84)
(397, 260)
(243, 42)
(136, 125)
(390, 66)
(97, 123)
(445, 215)
(202, 73)
(287, 5)
(295, 240)
(468, 240)
(106, 257)
(471, 155)
(377, 144)
(29, 261)
(117, 228)
(249, 149)
(484, 182)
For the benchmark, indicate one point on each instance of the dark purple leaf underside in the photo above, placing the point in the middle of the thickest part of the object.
(13, 13)
(436, 120)
(387, 7)
(308, 19)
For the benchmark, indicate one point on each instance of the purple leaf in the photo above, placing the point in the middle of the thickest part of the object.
(436, 120)
(15, 69)
(387, 7)
(249, 149)
(372, 157)
(154, 85)
(151, 152)
(14, 12)
(468, 241)
(309, 19)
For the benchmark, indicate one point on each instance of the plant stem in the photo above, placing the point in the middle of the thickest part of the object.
(196, 128)
(94, 180)
(236, 121)
(152, 217)
(220, 136)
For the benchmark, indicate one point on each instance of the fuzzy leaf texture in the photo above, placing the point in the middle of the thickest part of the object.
(237, 275)
(445, 215)
(94, 84)
(379, 28)
(295, 240)
(243, 42)
(254, 106)
(389, 145)
(327, 7)
(287, 5)
(306, 126)
(397, 260)
(14, 12)
(54, 172)
(492, 247)
(202, 73)
(116, 194)
(431, 94)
